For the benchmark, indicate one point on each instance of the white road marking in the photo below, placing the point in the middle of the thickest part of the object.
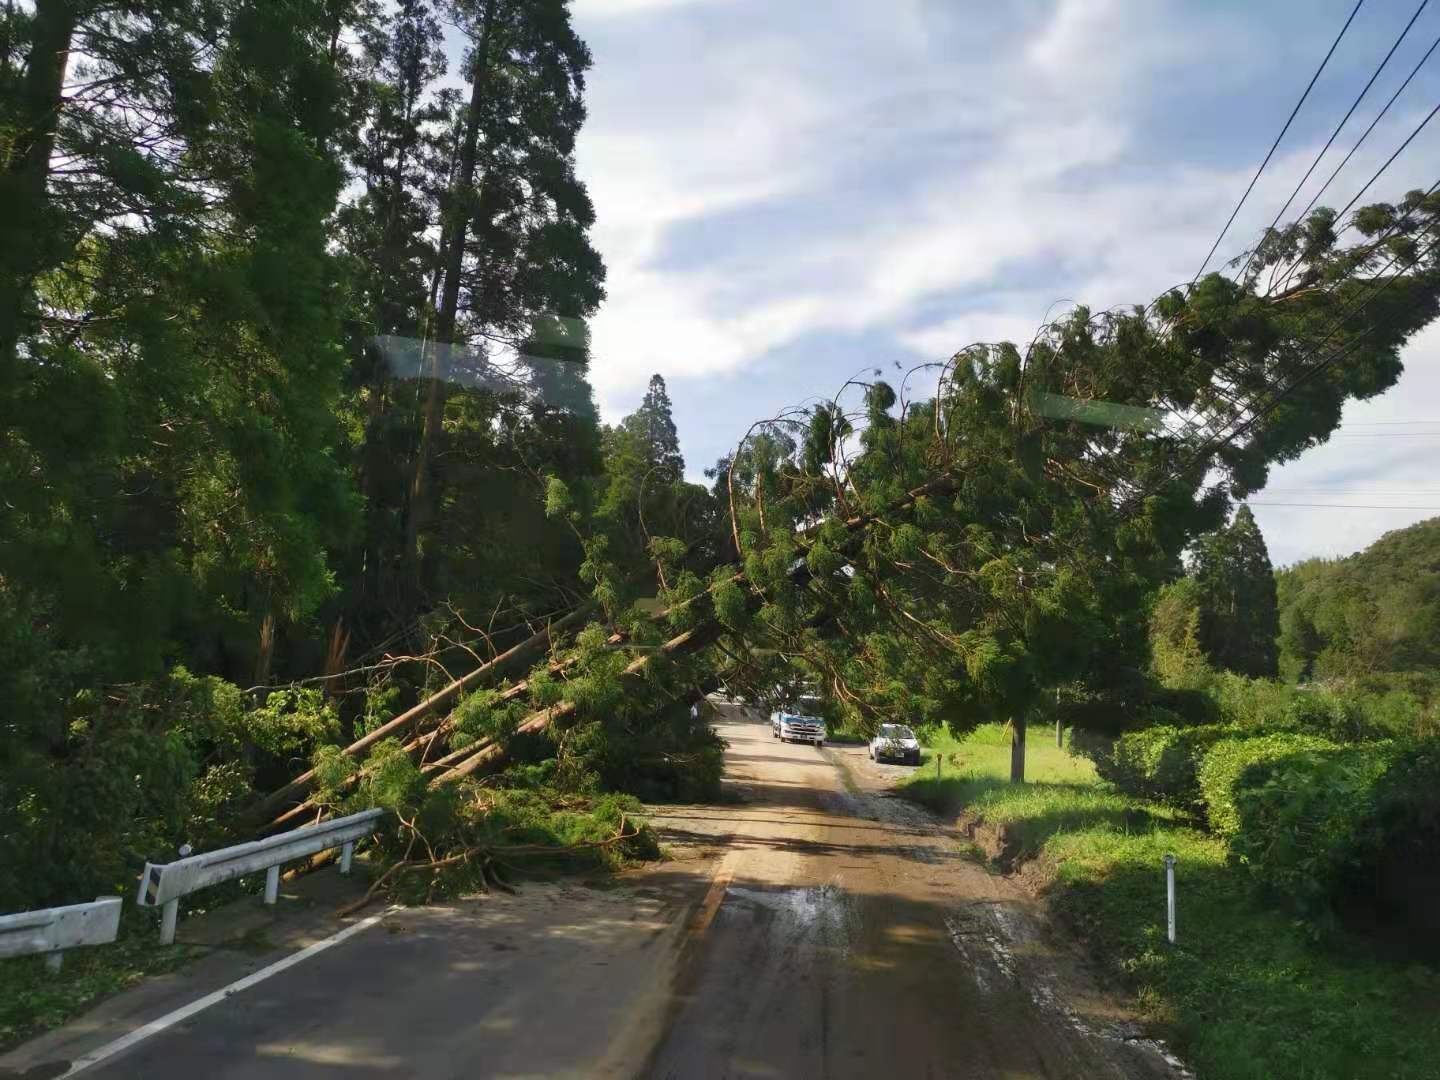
(154, 1027)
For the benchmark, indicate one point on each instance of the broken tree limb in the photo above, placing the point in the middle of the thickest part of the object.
(680, 645)
(412, 717)
(460, 763)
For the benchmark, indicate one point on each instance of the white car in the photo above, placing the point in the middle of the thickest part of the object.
(895, 742)
(798, 724)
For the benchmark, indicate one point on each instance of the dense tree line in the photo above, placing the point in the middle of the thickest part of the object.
(1372, 618)
(291, 342)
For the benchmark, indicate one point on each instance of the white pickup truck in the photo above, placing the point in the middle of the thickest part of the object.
(800, 723)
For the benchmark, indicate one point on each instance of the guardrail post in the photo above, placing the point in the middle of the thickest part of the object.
(1170, 898)
(54, 961)
(272, 884)
(168, 914)
(347, 852)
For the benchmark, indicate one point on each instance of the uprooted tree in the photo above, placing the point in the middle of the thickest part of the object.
(957, 559)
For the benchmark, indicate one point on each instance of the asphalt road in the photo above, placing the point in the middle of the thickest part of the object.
(812, 926)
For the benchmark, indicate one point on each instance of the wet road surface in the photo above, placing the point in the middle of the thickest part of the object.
(809, 926)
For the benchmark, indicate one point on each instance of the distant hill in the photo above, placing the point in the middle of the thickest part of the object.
(1372, 613)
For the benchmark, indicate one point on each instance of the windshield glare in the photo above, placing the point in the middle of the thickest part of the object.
(895, 731)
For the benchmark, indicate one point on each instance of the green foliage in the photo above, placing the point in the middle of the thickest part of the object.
(33, 999)
(542, 687)
(484, 715)
(1370, 623)
(391, 779)
(292, 720)
(1235, 595)
(732, 608)
(1229, 765)
(1309, 817)
(131, 775)
(1245, 993)
(381, 705)
(1175, 654)
(558, 502)
(1161, 763)
(679, 597)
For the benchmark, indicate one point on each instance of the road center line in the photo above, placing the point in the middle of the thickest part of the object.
(154, 1027)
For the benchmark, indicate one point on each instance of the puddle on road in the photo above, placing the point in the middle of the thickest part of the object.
(822, 916)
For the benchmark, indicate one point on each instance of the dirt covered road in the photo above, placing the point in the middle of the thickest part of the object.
(849, 934)
(812, 925)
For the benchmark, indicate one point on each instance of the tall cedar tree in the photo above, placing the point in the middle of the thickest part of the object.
(514, 251)
(654, 425)
(1239, 622)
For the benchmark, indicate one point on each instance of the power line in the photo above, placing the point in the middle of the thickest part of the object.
(1211, 445)
(1338, 128)
(1419, 128)
(1338, 506)
(1347, 493)
(1293, 112)
(1366, 133)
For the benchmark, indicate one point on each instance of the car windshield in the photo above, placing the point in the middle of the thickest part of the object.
(808, 706)
(895, 731)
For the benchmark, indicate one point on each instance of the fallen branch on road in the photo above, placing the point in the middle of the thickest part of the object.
(487, 854)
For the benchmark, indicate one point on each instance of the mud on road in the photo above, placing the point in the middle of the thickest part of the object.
(851, 934)
(811, 925)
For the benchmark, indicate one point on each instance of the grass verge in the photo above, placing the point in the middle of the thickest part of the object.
(33, 1000)
(1247, 993)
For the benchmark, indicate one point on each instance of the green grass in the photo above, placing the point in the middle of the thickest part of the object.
(1246, 994)
(33, 1000)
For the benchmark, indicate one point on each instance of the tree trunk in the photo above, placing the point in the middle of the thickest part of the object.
(452, 245)
(25, 169)
(1017, 750)
(265, 651)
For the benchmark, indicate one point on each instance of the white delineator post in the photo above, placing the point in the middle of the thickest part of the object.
(1170, 898)
(272, 884)
(347, 852)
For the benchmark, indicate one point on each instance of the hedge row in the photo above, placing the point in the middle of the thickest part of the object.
(1160, 763)
(1308, 817)
(1230, 760)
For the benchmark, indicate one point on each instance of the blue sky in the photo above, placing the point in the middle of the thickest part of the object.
(790, 193)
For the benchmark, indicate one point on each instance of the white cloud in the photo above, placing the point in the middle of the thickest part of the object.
(609, 9)
(923, 177)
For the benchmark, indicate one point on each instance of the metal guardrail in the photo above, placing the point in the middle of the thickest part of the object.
(163, 884)
(52, 930)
